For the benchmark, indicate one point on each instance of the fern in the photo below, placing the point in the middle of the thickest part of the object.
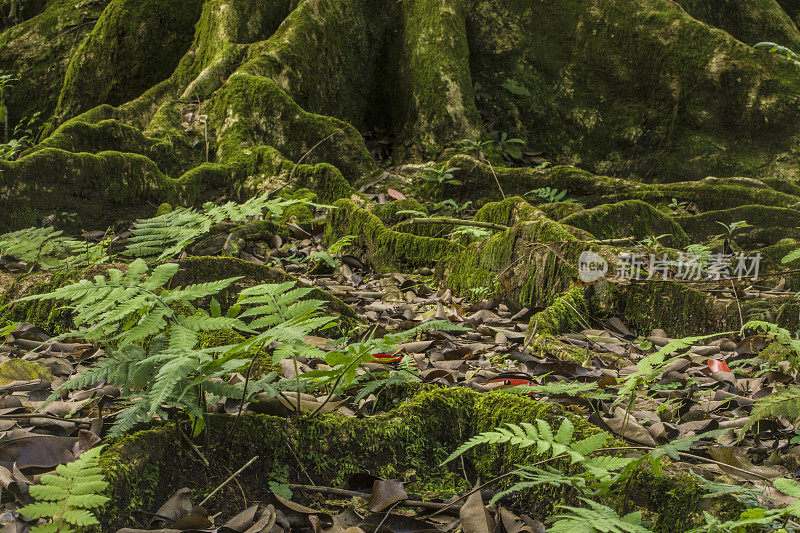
(67, 497)
(129, 307)
(595, 518)
(784, 402)
(541, 437)
(650, 367)
(586, 390)
(345, 363)
(166, 236)
(49, 249)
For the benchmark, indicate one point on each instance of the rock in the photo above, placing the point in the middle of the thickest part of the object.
(22, 370)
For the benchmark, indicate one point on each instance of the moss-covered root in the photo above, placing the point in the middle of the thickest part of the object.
(382, 248)
(37, 53)
(134, 45)
(408, 443)
(629, 218)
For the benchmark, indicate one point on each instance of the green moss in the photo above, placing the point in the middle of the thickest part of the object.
(134, 45)
(37, 52)
(22, 370)
(389, 213)
(408, 443)
(381, 247)
(566, 313)
(630, 218)
(528, 265)
(243, 112)
(49, 315)
(509, 212)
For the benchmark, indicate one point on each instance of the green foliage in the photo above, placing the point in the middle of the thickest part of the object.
(733, 226)
(699, 251)
(470, 233)
(67, 497)
(651, 366)
(451, 207)
(441, 176)
(545, 441)
(344, 363)
(49, 249)
(550, 195)
(515, 88)
(595, 518)
(329, 256)
(784, 402)
(586, 390)
(22, 138)
(166, 236)
(474, 147)
(511, 147)
(125, 310)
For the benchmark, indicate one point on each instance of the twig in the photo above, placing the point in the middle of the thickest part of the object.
(300, 464)
(294, 169)
(454, 221)
(193, 447)
(738, 303)
(230, 478)
(24, 416)
(496, 180)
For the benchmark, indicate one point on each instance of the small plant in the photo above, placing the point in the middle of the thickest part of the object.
(733, 226)
(451, 207)
(550, 195)
(475, 147)
(441, 176)
(329, 256)
(480, 94)
(168, 235)
(678, 207)
(68, 496)
(511, 147)
(700, 252)
(515, 88)
(589, 518)
(49, 249)
(470, 233)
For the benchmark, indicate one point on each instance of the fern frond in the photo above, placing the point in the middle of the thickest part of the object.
(595, 518)
(650, 366)
(525, 435)
(784, 402)
(68, 495)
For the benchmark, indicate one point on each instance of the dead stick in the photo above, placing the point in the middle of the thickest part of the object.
(230, 478)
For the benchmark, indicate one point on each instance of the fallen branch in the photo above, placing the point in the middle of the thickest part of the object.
(230, 478)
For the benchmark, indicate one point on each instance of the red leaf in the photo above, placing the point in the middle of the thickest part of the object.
(397, 195)
(718, 366)
(386, 358)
